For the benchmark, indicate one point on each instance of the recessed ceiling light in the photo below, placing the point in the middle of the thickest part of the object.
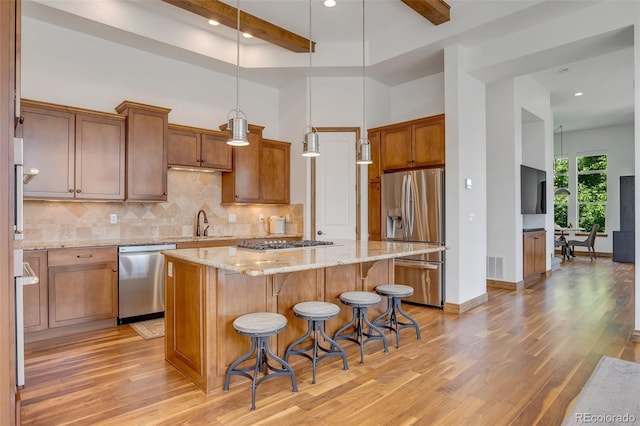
(329, 3)
(213, 22)
(247, 35)
(578, 94)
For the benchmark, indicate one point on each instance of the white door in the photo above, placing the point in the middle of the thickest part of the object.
(336, 186)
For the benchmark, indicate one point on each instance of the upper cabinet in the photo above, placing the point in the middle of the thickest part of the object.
(274, 171)
(198, 148)
(412, 144)
(146, 150)
(80, 154)
(260, 171)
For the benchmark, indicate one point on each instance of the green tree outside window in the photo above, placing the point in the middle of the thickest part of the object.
(592, 191)
(560, 180)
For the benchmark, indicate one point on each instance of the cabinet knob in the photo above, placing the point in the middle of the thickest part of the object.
(70, 189)
(204, 160)
(78, 191)
(115, 269)
(164, 193)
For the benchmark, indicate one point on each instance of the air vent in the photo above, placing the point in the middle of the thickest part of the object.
(495, 267)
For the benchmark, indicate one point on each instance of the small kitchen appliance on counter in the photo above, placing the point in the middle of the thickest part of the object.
(277, 225)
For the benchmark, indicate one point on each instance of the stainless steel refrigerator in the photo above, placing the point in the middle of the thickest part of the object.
(413, 210)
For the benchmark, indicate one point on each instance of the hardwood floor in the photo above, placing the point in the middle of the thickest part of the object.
(519, 359)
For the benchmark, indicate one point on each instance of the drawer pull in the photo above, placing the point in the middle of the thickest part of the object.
(84, 256)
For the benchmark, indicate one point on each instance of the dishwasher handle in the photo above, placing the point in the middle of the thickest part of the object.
(145, 248)
(417, 265)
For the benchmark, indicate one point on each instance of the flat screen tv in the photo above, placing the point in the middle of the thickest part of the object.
(533, 190)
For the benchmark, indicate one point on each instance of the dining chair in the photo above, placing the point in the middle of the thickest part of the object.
(588, 243)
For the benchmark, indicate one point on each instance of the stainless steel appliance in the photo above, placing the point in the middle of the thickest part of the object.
(141, 282)
(22, 272)
(413, 209)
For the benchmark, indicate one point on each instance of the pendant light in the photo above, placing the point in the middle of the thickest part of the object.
(562, 192)
(364, 147)
(310, 144)
(238, 124)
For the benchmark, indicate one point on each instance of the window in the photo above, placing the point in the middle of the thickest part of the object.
(592, 190)
(560, 180)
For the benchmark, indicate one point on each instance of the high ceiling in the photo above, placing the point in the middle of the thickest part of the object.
(400, 44)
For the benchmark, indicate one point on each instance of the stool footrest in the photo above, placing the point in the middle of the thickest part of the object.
(358, 335)
(389, 319)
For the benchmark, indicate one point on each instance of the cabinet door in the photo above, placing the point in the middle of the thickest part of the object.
(146, 156)
(528, 255)
(540, 248)
(395, 148)
(428, 142)
(246, 170)
(374, 212)
(82, 293)
(183, 148)
(99, 165)
(374, 167)
(274, 171)
(36, 305)
(49, 147)
(215, 153)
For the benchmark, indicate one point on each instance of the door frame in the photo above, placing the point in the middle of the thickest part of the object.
(312, 207)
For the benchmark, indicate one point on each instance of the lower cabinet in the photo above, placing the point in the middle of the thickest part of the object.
(83, 285)
(534, 255)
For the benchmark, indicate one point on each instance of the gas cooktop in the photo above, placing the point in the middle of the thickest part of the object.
(281, 244)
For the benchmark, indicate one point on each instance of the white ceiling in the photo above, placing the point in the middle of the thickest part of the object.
(400, 45)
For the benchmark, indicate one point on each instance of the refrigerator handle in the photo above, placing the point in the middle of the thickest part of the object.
(403, 218)
(410, 206)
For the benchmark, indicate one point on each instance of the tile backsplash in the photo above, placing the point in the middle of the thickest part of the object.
(188, 192)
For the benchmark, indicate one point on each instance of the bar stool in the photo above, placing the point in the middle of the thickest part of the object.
(389, 318)
(360, 301)
(260, 326)
(316, 313)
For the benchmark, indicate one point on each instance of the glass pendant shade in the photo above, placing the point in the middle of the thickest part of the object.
(238, 132)
(563, 192)
(311, 145)
(364, 152)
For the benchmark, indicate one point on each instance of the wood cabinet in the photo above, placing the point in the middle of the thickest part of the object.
(36, 299)
(83, 285)
(198, 148)
(79, 153)
(413, 144)
(260, 171)
(146, 151)
(534, 255)
(274, 171)
(374, 213)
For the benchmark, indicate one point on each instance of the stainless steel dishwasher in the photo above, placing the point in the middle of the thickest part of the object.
(141, 282)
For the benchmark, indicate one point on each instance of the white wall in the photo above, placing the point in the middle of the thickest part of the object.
(71, 68)
(419, 98)
(618, 143)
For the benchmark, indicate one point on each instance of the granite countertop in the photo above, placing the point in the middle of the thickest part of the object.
(43, 245)
(268, 262)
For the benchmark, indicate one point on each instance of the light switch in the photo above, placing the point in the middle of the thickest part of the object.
(468, 184)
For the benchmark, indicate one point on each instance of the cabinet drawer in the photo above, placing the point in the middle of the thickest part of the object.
(82, 256)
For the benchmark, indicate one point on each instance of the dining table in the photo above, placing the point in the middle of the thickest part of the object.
(562, 241)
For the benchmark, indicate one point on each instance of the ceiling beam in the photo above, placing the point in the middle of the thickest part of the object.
(259, 28)
(436, 11)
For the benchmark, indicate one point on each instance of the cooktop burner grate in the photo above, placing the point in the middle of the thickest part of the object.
(281, 244)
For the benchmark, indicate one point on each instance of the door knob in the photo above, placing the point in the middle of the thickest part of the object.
(320, 233)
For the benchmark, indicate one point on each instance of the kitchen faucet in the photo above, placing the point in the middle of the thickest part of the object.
(206, 221)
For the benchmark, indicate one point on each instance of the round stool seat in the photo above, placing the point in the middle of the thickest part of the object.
(360, 298)
(395, 290)
(316, 310)
(260, 323)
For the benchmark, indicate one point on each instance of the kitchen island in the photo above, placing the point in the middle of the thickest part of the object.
(207, 288)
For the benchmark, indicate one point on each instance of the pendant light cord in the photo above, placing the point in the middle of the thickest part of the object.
(309, 70)
(364, 131)
(238, 59)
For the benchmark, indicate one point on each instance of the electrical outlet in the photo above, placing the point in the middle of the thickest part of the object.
(114, 218)
(261, 217)
(287, 219)
(232, 218)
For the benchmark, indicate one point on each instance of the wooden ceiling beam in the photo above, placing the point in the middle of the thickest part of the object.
(436, 11)
(259, 28)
